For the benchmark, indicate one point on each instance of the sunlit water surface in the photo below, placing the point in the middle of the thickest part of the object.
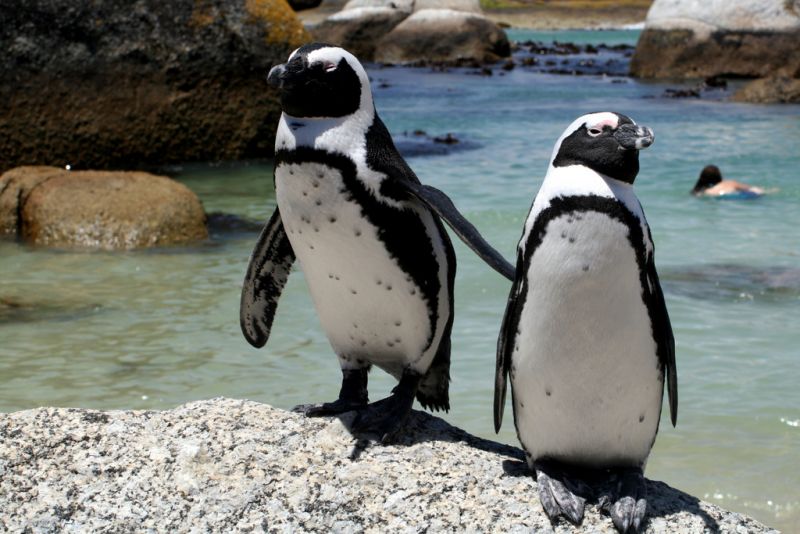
(158, 328)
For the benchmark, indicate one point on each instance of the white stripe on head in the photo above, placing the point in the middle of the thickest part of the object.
(604, 118)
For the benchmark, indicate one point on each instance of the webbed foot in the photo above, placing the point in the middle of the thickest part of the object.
(328, 408)
(386, 416)
(352, 396)
(627, 505)
(557, 492)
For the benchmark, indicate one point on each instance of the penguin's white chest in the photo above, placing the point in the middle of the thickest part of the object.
(585, 376)
(370, 309)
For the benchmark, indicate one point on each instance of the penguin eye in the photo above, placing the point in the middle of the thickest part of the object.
(329, 66)
(594, 132)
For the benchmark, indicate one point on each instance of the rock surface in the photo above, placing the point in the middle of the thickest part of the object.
(443, 36)
(359, 30)
(703, 38)
(775, 89)
(116, 84)
(410, 31)
(98, 209)
(237, 466)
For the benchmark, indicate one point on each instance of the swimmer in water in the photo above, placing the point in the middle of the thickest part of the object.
(711, 184)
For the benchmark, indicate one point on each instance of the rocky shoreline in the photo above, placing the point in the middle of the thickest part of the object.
(227, 465)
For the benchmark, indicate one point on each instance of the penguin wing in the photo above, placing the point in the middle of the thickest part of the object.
(401, 182)
(267, 273)
(505, 342)
(441, 204)
(665, 342)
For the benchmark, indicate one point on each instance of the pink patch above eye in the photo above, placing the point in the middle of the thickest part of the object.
(607, 122)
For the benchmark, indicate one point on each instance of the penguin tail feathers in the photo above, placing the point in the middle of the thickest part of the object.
(433, 391)
(434, 405)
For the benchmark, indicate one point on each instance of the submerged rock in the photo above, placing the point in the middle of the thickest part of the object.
(775, 89)
(98, 209)
(237, 466)
(120, 84)
(697, 39)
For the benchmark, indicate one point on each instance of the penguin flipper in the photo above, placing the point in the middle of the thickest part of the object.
(441, 204)
(665, 342)
(267, 273)
(383, 157)
(505, 344)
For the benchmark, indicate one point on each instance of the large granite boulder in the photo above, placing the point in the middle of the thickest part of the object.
(406, 6)
(237, 466)
(415, 31)
(703, 38)
(470, 6)
(98, 209)
(443, 36)
(359, 29)
(119, 84)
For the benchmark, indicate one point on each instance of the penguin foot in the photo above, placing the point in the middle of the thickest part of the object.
(556, 497)
(386, 416)
(328, 408)
(627, 505)
(352, 396)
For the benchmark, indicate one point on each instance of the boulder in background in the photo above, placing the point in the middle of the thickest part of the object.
(116, 84)
(704, 38)
(98, 209)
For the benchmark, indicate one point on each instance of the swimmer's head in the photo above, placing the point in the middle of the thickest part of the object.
(709, 177)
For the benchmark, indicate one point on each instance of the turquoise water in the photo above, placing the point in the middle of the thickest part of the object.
(157, 328)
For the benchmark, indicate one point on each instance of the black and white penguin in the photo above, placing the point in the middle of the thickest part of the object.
(369, 239)
(586, 338)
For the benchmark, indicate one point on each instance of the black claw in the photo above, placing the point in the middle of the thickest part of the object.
(628, 506)
(546, 497)
(554, 494)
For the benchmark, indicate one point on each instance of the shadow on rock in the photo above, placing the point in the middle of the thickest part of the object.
(422, 427)
(662, 500)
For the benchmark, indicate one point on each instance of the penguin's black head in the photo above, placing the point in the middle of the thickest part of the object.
(319, 81)
(608, 143)
(709, 177)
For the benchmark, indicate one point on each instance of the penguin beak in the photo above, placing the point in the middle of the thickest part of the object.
(634, 137)
(276, 76)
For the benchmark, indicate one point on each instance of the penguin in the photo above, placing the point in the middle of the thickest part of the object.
(586, 339)
(369, 238)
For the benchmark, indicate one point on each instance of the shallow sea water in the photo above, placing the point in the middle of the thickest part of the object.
(154, 329)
